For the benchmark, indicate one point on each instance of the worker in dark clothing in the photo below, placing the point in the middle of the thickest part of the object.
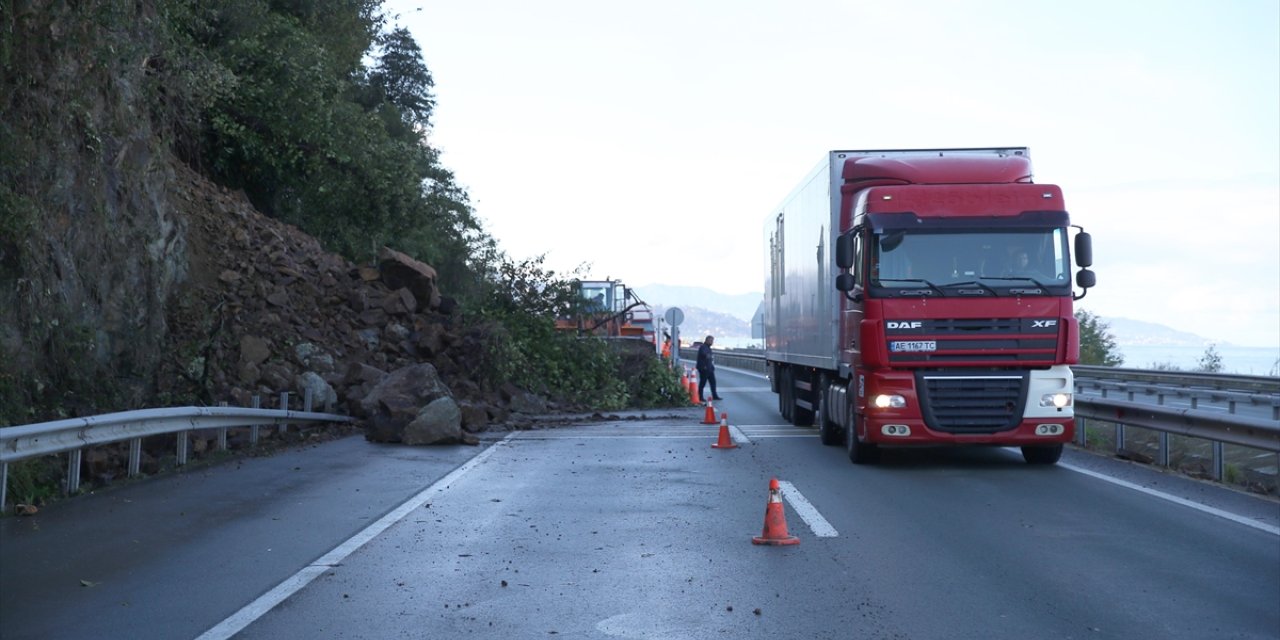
(706, 369)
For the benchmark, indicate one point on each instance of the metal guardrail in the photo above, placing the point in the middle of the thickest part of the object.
(1232, 389)
(73, 435)
(1208, 381)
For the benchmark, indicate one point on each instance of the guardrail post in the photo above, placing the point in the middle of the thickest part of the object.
(222, 433)
(1082, 432)
(1164, 449)
(184, 446)
(1195, 402)
(4, 487)
(135, 457)
(253, 430)
(73, 470)
(284, 406)
(1218, 462)
(1119, 437)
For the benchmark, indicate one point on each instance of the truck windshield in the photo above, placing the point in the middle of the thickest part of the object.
(1012, 262)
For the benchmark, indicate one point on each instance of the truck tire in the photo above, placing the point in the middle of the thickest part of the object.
(1042, 455)
(830, 433)
(859, 452)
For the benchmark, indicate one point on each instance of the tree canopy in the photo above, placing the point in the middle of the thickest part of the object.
(320, 114)
(1097, 345)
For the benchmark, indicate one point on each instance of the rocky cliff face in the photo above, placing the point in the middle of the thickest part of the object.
(93, 242)
(128, 280)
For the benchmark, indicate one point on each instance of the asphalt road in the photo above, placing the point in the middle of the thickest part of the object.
(639, 529)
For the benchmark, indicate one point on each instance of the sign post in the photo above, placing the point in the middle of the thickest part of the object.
(674, 316)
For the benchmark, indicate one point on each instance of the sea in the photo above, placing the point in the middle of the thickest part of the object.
(1249, 361)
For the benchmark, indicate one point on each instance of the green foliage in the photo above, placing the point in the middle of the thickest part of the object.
(1210, 361)
(402, 80)
(295, 119)
(1097, 345)
(35, 481)
(657, 386)
(522, 300)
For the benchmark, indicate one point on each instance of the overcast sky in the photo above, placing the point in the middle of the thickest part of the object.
(650, 140)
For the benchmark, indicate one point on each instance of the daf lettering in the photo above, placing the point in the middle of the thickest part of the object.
(912, 324)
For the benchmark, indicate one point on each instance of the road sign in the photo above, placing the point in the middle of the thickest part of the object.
(674, 316)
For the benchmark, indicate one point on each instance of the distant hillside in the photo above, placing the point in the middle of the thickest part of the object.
(699, 322)
(1137, 332)
(741, 306)
(726, 315)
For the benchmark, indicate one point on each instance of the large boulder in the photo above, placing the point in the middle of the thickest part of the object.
(323, 397)
(440, 422)
(400, 271)
(398, 399)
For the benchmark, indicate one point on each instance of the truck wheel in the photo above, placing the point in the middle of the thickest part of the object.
(1042, 455)
(829, 432)
(859, 452)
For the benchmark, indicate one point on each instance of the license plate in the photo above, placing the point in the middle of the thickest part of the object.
(918, 345)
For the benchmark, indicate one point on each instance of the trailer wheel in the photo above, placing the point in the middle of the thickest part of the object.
(829, 432)
(1042, 455)
(859, 452)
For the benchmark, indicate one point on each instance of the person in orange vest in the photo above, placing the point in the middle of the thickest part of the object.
(666, 346)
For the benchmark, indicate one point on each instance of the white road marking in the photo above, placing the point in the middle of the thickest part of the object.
(738, 436)
(1261, 526)
(807, 512)
(293, 584)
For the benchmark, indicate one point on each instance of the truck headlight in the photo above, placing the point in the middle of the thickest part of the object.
(1058, 400)
(889, 401)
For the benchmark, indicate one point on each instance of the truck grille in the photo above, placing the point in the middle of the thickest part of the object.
(972, 402)
(1017, 342)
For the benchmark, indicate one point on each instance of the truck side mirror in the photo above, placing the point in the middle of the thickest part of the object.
(1084, 279)
(844, 253)
(844, 282)
(1084, 249)
(847, 283)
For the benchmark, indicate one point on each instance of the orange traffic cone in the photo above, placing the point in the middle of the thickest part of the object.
(775, 520)
(693, 391)
(710, 416)
(725, 442)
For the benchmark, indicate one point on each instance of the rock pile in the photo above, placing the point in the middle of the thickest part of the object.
(268, 310)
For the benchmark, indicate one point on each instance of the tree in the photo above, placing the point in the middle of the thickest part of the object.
(1097, 345)
(402, 79)
(1210, 361)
